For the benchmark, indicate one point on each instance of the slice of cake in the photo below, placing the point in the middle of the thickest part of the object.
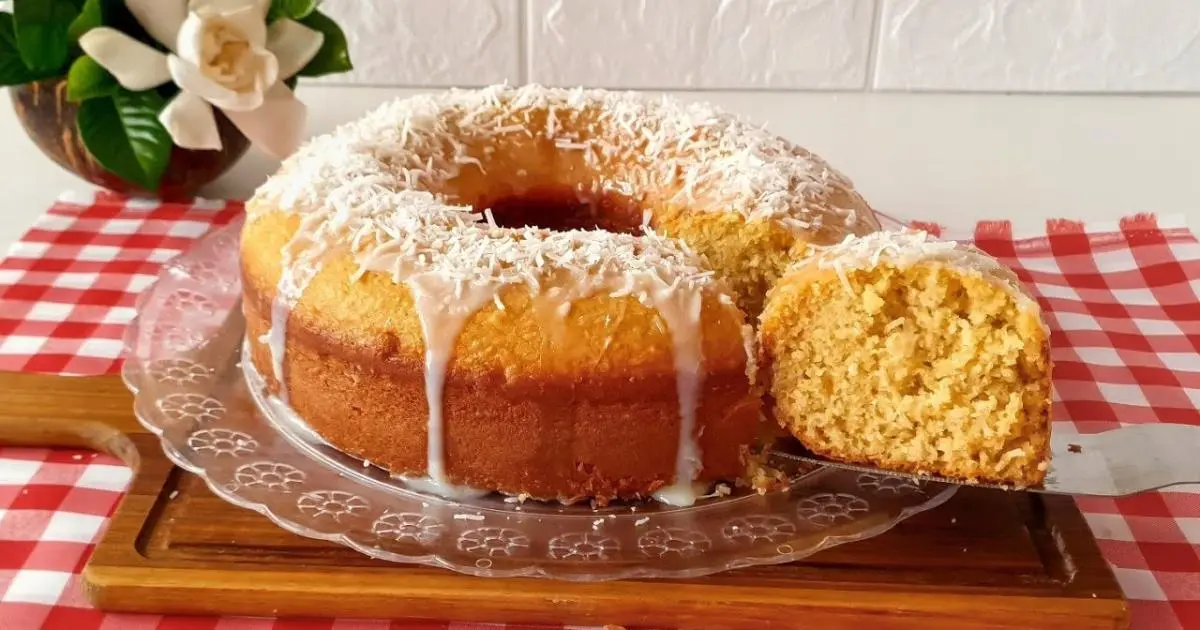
(909, 354)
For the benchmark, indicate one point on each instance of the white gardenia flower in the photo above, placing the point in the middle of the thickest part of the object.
(222, 54)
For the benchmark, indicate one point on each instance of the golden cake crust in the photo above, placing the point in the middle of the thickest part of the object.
(592, 413)
(570, 376)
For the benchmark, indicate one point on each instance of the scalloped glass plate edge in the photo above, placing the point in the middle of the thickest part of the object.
(831, 517)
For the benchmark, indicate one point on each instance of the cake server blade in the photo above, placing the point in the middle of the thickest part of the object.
(1114, 463)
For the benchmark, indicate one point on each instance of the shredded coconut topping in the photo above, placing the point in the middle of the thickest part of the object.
(384, 185)
(908, 247)
(696, 153)
(418, 235)
(903, 248)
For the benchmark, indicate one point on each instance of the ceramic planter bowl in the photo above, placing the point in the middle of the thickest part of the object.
(49, 119)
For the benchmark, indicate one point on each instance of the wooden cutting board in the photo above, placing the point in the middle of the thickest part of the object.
(985, 559)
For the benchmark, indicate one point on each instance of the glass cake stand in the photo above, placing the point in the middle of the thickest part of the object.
(184, 366)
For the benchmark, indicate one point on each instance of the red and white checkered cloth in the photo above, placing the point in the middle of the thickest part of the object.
(1120, 298)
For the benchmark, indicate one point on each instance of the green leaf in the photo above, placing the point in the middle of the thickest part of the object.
(123, 134)
(334, 55)
(292, 9)
(88, 79)
(90, 16)
(42, 36)
(8, 33)
(291, 82)
(12, 70)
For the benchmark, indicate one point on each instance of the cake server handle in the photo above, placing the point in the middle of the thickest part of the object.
(1115, 463)
(1124, 461)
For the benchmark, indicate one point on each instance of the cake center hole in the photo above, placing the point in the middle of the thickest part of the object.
(564, 209)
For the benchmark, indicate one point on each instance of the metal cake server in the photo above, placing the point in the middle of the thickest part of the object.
(1114, 463)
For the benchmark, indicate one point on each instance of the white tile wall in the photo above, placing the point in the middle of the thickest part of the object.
(921, 45)
(794, 44)
(1039, 45)
(429, 42)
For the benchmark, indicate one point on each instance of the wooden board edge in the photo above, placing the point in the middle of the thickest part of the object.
(121, 579)
(205, 591)
(76, 399)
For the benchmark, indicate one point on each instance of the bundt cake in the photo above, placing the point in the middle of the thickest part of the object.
(897, 351)
(536, 291)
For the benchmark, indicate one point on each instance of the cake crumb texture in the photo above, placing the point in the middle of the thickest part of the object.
(925, 368)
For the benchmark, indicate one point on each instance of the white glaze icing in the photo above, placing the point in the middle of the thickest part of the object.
(429, 485)
(681, 311)
(300, 262)
(276, 340)
(680, 494)
(443, 310)
(292, 284)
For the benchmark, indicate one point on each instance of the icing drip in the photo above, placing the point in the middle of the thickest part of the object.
(428, 485)
(443, 308)
(276, 340)
(680, 494)
(681, 311)
(298, 271)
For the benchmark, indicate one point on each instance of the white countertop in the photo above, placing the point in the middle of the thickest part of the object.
(950, 158)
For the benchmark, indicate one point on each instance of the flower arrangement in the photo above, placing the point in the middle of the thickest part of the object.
(151, 75)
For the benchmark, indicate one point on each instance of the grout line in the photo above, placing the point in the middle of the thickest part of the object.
(523, 39)
(873, 45)
(914, 91)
